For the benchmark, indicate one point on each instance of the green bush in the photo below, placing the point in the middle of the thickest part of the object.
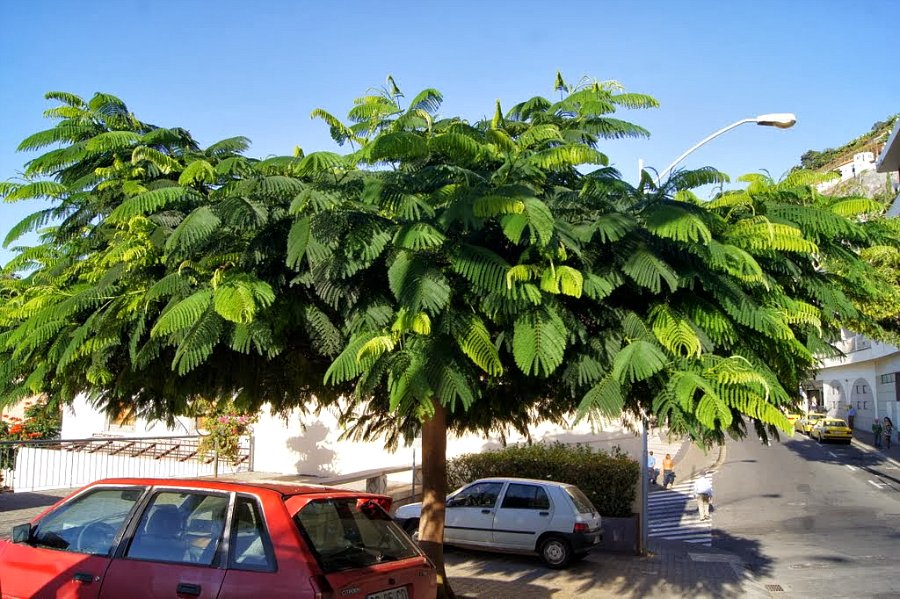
(608, 479)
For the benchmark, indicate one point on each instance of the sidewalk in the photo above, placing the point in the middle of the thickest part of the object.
(865, 440)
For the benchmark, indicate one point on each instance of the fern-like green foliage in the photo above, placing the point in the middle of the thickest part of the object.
(560, 158)
(298, 238)
(197, 172)
(438, 265)
(112, 141)
(677, 223)
(539, 342)
(606, 398)
(638, 361)
(198, 344)
(418, 236)
(536, 218)
(184, 314)
(417, 286)
(649, 271)
(239, 298)
(152, 201)
(475, 342)
(480, 266)
(194, 230)
(675, 333)
(166, 164)
(488, 206)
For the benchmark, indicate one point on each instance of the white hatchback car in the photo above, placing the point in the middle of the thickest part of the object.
(519, 515)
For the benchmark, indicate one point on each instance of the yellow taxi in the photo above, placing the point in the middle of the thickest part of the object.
(831, 429)
(793, 418)
(805, 424)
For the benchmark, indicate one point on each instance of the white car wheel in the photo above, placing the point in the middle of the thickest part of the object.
(555, 552)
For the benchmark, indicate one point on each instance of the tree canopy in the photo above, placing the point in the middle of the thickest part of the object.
(477, 275)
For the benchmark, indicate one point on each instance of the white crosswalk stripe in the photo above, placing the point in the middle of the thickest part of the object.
(673, 516)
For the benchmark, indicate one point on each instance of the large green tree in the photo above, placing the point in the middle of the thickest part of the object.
(441, 273)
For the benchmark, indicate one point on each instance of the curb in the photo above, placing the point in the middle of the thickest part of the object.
(869, 449)
(723, 454)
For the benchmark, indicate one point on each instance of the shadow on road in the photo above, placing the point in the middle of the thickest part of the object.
(24, 501)
(673, 568)
(872, 460)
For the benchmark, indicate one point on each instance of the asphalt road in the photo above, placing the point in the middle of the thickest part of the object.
(811, 520)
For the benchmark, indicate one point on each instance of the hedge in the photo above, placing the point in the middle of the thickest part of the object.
(608, 479)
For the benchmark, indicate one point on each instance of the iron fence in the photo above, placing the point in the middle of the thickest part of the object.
(62, 463)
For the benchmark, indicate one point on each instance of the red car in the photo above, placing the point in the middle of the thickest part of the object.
(140, 538)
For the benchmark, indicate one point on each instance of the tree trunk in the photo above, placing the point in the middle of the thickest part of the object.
(434, 495)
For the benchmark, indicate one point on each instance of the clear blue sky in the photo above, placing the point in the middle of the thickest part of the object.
(223, 68)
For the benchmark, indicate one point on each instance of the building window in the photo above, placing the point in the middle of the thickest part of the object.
(888, 378)
(861, 389)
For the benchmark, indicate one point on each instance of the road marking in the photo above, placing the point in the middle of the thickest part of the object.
(850, 467)
(877, 485)
(673, 515)
(832, 454)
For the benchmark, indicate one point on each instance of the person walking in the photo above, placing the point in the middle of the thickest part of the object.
(668, 471)
(703, 493)
(652, 472)
(851, 416)
(876, 432)
(887, 429)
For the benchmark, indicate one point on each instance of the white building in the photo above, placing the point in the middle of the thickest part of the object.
(868, 374)
(862, 161)
(311, 445)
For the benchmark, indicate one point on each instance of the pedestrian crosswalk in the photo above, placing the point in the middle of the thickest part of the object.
(673, 516)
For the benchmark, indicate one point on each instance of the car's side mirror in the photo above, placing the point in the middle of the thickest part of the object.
(21, 533)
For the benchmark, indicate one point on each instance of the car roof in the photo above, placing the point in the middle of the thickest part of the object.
(513, 479)
(256, 487)
(834, 420)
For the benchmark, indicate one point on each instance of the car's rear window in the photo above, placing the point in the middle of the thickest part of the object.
(582, 503)
(350, 532)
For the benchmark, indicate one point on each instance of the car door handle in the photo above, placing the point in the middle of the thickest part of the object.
(85, 577)
(485, 511)
(544, 513)
(185, 588)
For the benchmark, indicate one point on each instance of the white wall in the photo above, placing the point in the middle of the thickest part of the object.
(81, 420)
(311, 445)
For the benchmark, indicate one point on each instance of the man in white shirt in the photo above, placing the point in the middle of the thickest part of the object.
(703, 492)
(652, 472)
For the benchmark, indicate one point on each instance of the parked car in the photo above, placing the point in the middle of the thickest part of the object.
(831, 429)
(793, 418)
(805, 424)
(154, 538)
(555, 520)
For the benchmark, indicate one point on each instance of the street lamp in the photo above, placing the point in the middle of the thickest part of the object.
(782, 120)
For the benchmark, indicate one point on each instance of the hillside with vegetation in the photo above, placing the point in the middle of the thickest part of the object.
(870, 184)
(830, 158)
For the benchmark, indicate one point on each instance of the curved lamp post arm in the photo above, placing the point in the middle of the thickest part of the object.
(666, 171)
(782, 120)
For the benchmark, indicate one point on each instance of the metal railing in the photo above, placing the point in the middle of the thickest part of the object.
(62, 463)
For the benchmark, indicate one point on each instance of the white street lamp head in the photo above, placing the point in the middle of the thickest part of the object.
(782, 120)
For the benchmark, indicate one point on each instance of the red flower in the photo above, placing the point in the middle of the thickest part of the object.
(15, 429)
